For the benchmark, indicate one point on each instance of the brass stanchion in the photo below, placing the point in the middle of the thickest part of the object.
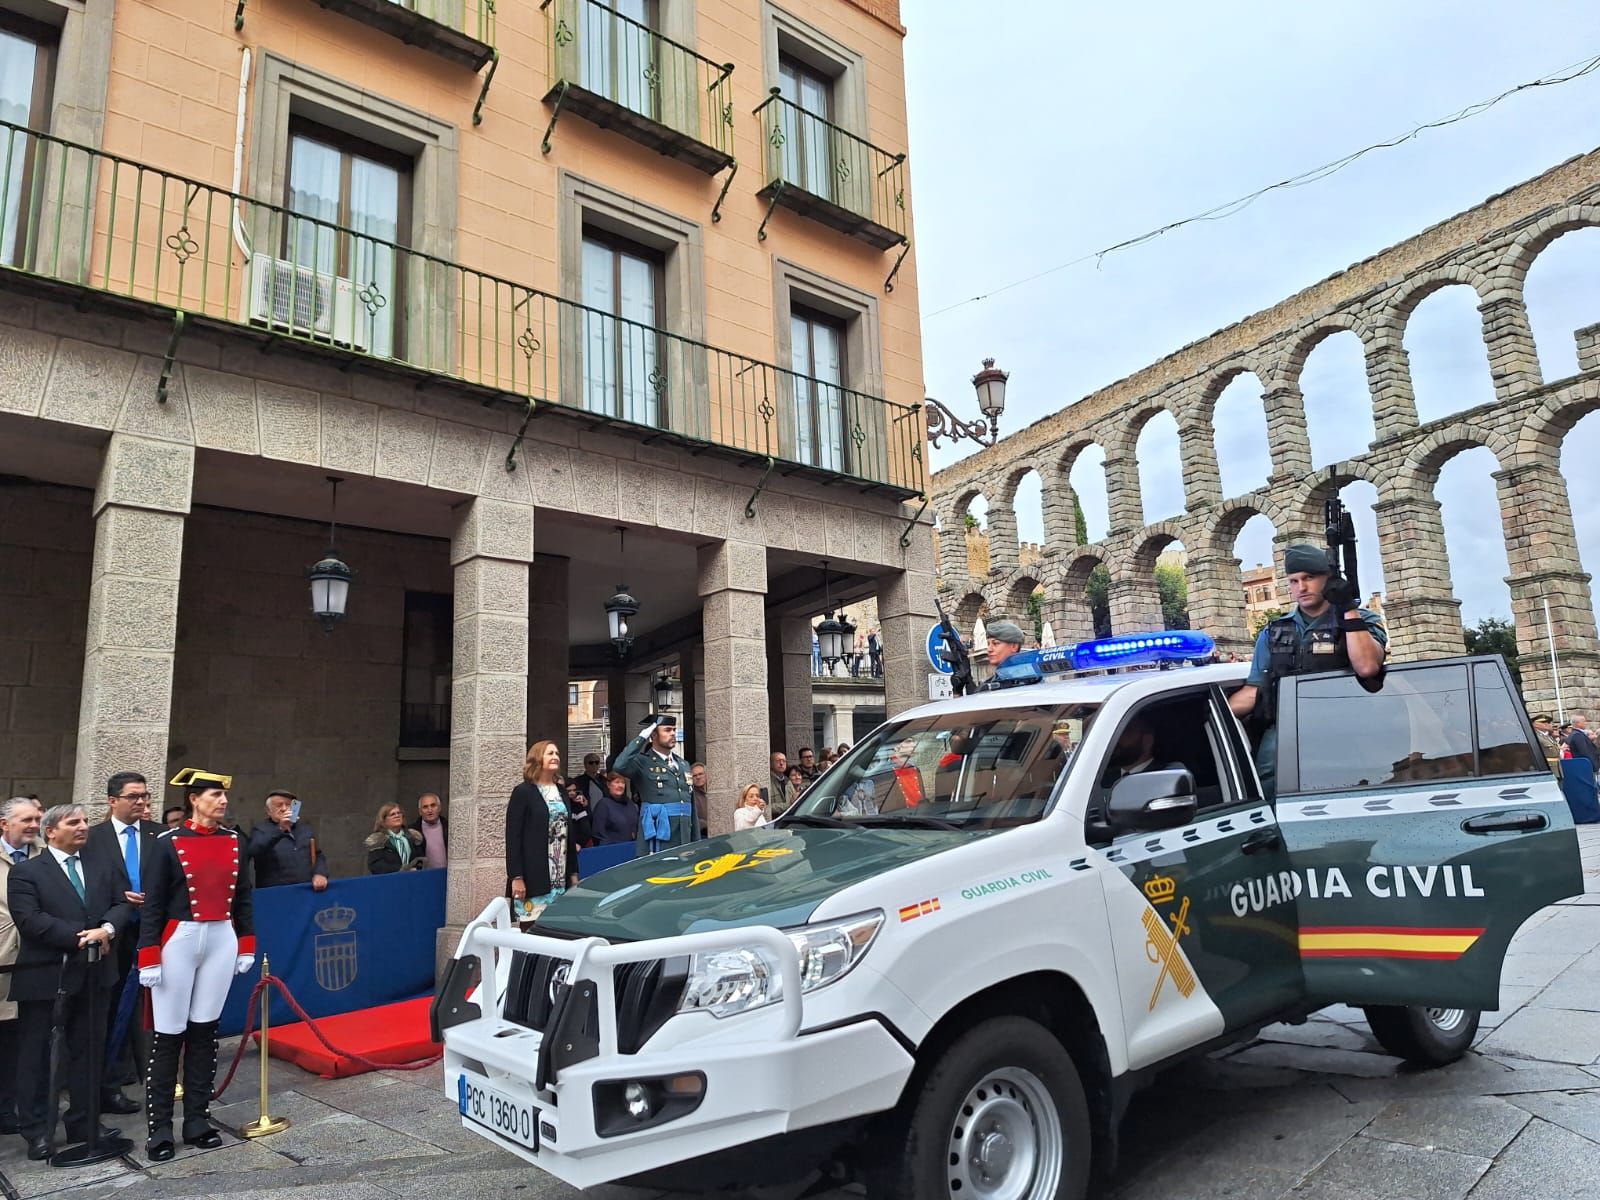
(265, 1124)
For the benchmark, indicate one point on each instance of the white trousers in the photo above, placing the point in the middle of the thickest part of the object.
(196, 972)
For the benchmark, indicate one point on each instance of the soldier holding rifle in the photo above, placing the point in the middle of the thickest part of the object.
(1326, 631)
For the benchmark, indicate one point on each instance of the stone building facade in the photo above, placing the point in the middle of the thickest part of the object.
(1490, 249)
(183, 367)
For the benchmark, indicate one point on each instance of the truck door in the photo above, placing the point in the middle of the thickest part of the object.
(1202, 916)
(1423, 827)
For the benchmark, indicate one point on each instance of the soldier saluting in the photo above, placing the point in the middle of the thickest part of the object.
(1326, 631)
(660, 777)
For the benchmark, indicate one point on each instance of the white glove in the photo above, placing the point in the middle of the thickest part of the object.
(243, 963)
(149, 976)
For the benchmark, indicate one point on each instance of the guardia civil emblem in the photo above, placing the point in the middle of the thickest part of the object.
(334, 951)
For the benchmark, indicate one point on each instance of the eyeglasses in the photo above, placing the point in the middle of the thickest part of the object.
(134, 796)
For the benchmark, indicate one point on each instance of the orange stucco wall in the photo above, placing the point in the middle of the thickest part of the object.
(172, 103)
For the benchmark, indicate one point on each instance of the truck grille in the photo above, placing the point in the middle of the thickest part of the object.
(647, 994)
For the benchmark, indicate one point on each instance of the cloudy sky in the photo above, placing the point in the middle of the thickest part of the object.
(1045, 130)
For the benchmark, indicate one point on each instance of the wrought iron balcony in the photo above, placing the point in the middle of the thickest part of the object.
(116, 231)
(828, 174)
(460, 30)
(623, 75)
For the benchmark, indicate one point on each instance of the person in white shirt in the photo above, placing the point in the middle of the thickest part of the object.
(752, 810)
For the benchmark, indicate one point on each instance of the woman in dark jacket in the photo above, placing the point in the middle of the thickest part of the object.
(541, 854)
(391, 847)
(615, 817)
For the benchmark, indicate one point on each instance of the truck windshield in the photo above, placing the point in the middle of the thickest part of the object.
(988, 769)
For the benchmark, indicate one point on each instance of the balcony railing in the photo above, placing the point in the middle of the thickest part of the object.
(461, 30)
(828, 174)
(80, 217)
(623, 75)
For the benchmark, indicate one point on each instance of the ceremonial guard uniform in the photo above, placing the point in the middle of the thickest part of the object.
(660, 776)
(196, 934)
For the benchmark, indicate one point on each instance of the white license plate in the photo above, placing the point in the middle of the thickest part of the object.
(511, 1118)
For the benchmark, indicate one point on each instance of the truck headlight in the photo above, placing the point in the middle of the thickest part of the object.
(724, 982)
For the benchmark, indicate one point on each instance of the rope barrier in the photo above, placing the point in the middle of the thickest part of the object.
(250, 1027)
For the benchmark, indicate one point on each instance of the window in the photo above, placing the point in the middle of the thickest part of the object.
(572, 695)
(619, 53)
(817, 351)
(805, 126)
(426, 670)
(27, 56)
(1166, 735)
(1504, 747)
(337, 181)
(622, 350)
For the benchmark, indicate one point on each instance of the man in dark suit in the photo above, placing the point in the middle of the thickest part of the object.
(125, 839)
(1581, 743)
(19, 841)
(62, 902)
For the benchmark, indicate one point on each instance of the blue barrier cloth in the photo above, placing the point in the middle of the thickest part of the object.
(598, 858)
(1577, 783)
(363, 942)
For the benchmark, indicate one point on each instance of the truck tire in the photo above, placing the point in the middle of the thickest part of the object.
(1428, 1037)
(1001, 1113)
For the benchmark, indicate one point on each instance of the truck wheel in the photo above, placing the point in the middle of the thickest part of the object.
(1429, 1037)
(1000, 1116)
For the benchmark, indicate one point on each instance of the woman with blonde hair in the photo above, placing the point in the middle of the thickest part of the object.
(391, 847)
(752, 810)
(541, 855)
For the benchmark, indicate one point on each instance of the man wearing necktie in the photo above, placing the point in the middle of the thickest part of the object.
(125, 838)
(19, 841)
(63, 901)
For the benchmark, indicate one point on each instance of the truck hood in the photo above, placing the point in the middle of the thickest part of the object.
(764, 876)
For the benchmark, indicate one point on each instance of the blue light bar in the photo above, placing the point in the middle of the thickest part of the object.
(1103, 653)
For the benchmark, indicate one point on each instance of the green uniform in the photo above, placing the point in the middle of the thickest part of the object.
(666, 797)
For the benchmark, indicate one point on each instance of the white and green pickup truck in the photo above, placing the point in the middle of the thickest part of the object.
(949, 967)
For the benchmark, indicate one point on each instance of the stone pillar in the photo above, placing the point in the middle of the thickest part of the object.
(126, 708)
(733, 589)
(1060, 514)
(1216, 600)
(1069, 617)
(1543, 555)
(689, 740)
(1423, 617)
(1588, 340)
(1125, 506)
(1513, 358)
(1394, 403)
(830, 726)
(1003, 553)
(952, 537)
(905, 611)
(548, 653)
(639, 701)
(794, 648)
(1135, 605)
(1202, 477)
(490, 552)
(1287, 439)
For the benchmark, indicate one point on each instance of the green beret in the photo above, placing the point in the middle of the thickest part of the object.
(1303, 557)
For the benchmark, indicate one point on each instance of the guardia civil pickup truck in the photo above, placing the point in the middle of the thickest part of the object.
(948, 968)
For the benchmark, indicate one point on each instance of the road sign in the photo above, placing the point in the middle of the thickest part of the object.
(939, 686)
(935, 646)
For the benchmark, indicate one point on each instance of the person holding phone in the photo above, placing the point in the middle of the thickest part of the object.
(283, 848)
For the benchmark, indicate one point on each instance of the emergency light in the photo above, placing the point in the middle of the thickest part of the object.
(1027, 666)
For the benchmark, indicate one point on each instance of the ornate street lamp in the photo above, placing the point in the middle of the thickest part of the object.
(834, 637)
(990, 384)
(666, 690)
(330, 576)
(620, 607)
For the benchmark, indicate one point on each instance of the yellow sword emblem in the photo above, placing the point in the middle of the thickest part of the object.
(708, 869)
(1161, 946)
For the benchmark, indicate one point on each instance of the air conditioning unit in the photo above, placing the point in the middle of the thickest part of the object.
(305, 301)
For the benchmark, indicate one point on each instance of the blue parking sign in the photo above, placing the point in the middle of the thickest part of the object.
(936, 650)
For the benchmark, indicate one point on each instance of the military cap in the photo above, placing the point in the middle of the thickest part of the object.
(1303, 557)
(666, 719)
(195, 779)
(1007, 631)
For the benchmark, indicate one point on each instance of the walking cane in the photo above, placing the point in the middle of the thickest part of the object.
(266, 1124)
(94, 1149)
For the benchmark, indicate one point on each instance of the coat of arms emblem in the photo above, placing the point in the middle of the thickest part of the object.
(335, 948)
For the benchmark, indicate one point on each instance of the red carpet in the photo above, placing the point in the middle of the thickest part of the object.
(390, 1035)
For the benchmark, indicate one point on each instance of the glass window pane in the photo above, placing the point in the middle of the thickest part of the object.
(375, 213)
(1503, 746)
(638, 308)
(314, 174)
(1417, 728)
(599, 338)
(19, 64)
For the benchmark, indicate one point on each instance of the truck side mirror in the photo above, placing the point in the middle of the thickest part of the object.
(1153, 800)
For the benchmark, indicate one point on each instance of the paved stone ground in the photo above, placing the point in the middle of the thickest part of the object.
(1309, 1112)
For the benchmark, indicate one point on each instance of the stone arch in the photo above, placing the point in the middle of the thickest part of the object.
(1292, 364)
(1559, 298)
(1247, 464)
(1304, 510)
(967, 610)
(1451, 356)
(1221, 529)
(1016, 592)
(1204, 404)
(1420, 472)
(1139, 559)
(1417, 288)
(1132, 473)
(1512, 272)
(1067, 605)
(1066, 461)
(1545, 428)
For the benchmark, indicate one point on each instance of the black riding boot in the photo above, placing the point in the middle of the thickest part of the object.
(161, 1080)
(199, 1077)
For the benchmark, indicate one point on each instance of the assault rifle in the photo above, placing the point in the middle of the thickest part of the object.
(1341, 533)
(955, 653)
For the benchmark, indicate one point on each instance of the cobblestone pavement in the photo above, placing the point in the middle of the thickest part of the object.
(1307, 1112)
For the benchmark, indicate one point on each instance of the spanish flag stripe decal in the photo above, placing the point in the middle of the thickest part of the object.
(920, 909)
(1365, 941)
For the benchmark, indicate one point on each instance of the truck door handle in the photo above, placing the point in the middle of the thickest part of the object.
(1521, 822)
(1265, 839)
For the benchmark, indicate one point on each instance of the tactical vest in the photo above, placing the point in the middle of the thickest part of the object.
(1323, 649)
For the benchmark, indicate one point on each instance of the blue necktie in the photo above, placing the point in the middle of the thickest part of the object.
(77, 879)
(130, 855)
(19, 856)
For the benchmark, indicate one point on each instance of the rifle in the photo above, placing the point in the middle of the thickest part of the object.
(955, 653)
(1341, 534)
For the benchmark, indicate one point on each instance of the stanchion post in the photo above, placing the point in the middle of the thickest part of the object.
(265, 1124)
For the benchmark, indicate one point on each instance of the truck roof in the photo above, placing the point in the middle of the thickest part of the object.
(1083, 689)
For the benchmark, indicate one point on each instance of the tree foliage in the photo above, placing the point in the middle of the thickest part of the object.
(1262, 619)
(1173, 585)
(1495, 636)
(1098, 593)
(1036, 615)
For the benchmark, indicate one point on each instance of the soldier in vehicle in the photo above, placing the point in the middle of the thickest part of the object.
(1326, 631)
(1005, 639)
